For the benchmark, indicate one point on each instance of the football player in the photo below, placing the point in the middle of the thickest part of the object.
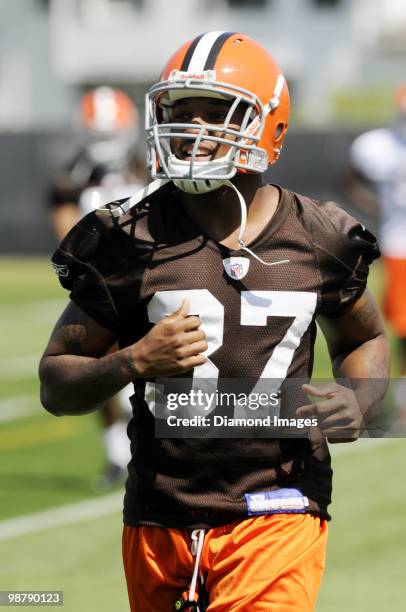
(106, 166)
(211, 274)
(377, 184)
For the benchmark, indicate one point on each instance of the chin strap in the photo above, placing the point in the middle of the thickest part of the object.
(124, 207)
(243, 226)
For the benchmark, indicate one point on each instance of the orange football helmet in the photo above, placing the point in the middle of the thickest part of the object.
(225, 65)
(107, 110)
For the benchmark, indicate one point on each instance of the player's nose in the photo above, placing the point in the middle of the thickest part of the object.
(198, 124)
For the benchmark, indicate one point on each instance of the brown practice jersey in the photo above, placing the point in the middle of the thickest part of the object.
(130, 271)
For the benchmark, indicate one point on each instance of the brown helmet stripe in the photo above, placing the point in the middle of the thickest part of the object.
(215, 50)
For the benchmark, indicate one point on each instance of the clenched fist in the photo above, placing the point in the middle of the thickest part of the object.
(337, 411)
(173, 346)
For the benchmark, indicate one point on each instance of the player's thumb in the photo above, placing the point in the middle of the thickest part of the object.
(182, 311)
(315, 392)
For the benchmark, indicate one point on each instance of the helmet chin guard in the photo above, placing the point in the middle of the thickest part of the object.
(198, 186)
(192, 175)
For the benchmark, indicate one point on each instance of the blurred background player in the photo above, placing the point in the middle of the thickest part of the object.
(377, 184)
(106, 167)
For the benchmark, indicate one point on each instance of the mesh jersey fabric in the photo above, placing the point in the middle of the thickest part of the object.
(116, 267)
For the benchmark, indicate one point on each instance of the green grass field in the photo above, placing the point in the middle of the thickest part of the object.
(48, 463)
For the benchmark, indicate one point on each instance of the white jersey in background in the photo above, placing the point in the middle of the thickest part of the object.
(112, 187)
(380, 155)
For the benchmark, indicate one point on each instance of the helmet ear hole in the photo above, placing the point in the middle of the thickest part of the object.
(279, 131)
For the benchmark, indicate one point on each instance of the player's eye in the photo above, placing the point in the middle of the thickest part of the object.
(180, 116)
(217, 116)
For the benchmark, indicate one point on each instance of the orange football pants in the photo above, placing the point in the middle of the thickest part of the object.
(395, 294)
(262, 564)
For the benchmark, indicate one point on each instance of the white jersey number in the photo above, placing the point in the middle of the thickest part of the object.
(256, 307)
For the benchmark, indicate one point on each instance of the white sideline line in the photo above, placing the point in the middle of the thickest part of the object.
(19, 407)
(64, 515)
(109, 504)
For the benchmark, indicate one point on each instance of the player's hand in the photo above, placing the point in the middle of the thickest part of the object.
(337, 411)
(173, 346)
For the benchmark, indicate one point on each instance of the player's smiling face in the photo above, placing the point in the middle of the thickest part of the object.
(203, 111)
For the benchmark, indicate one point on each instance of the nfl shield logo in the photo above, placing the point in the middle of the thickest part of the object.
(236, 267)
(236, 270)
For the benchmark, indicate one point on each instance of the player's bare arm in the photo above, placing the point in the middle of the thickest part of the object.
(64, 218)
(359, 351)
(77, 376)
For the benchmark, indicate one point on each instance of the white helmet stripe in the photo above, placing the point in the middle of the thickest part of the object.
(279, 86)
(201, 53)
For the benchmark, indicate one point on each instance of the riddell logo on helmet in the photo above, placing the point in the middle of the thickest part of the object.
(253, 127)
(180, 75)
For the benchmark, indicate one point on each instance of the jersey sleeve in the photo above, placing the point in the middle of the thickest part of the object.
(344, 249)
(83, 270)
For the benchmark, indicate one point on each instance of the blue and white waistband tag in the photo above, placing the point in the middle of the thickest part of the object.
(280, 501)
